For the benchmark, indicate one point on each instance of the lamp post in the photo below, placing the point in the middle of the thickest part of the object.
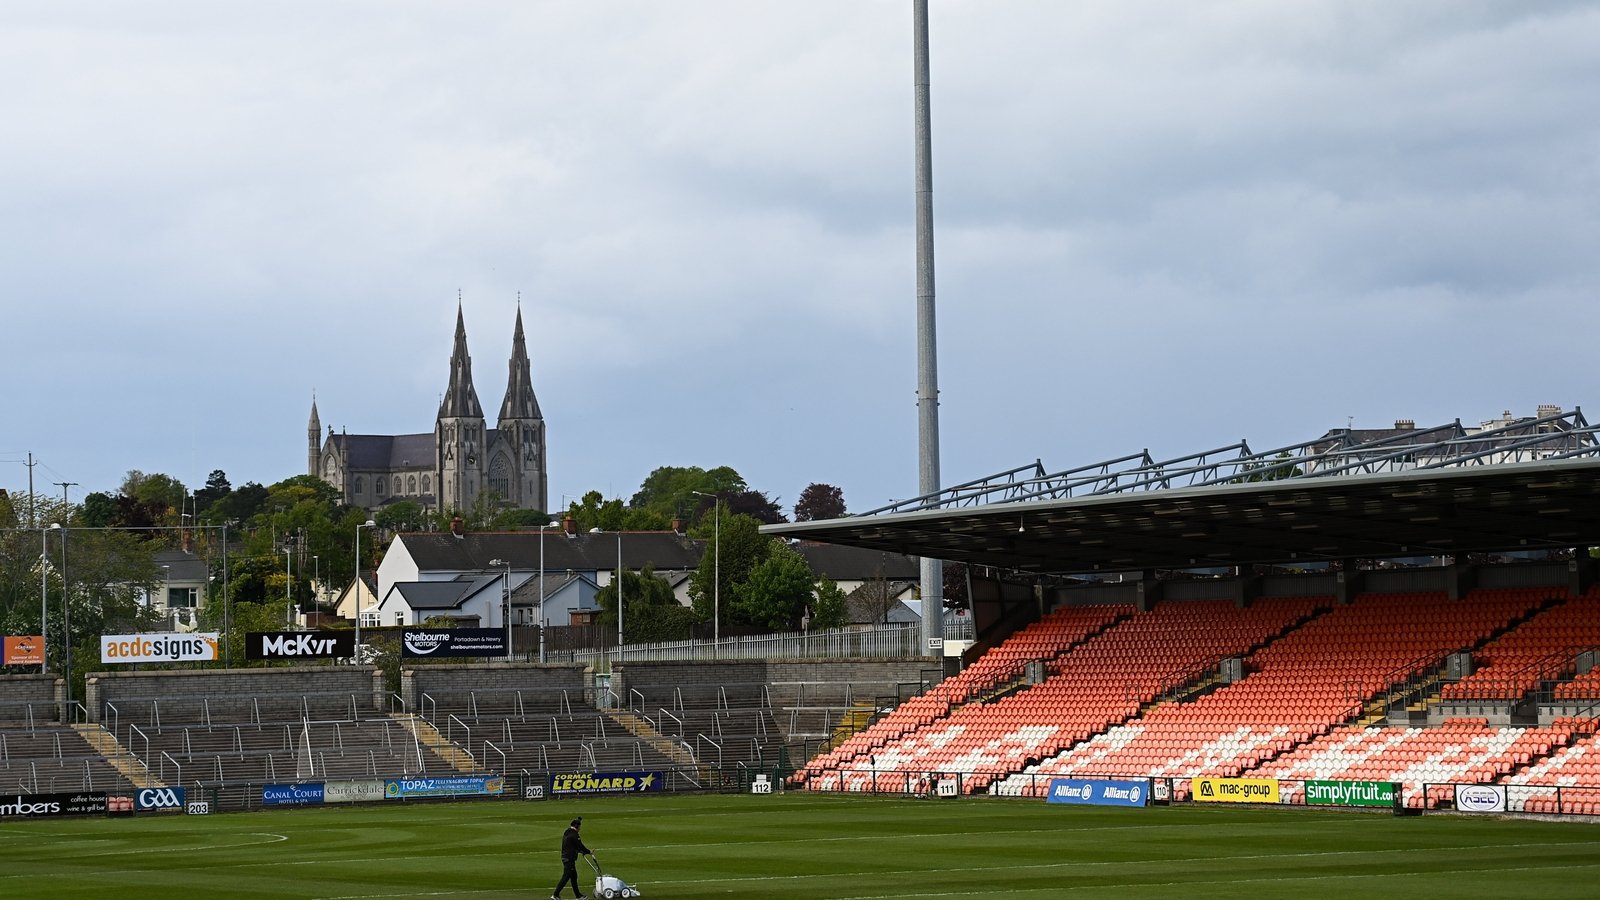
(316, 579)
(716, 572)
(542, 619)
(505, 601)
(44, 599)
(355, 588)
(288, 585)
(66, 605)
(619, 596)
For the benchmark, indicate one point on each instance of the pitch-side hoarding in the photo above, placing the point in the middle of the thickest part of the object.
(1351, 793)
(1234, 790)
(1096, 792)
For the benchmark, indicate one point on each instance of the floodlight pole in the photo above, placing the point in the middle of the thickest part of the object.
(927, 345)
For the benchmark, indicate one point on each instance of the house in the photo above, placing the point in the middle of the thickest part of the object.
(575, 566)
(468, 572)
(180, 595)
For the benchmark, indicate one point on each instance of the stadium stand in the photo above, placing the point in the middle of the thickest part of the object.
(1543, 649)
(1103, 682)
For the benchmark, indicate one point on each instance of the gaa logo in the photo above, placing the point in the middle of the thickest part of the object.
(160, 798)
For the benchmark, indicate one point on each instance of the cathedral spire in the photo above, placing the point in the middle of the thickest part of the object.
(520, 402)
(460, 398)
(313, 437)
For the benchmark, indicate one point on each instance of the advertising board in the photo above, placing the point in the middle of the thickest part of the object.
(1234, 790)
(450, 786)
(1480, 798)
(436, 642)
(569, 783)
(159, 798)
(299, 644)
(352, 791)
(1096, 792)
(1351, 793)
(291, 794)
(45, 806)
(159, 647)
(22, 650)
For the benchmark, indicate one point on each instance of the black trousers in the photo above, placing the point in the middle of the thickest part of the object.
(569, 872)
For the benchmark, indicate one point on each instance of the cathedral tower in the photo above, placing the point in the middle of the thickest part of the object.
(459, 432)
(313, 440)
(516, 469)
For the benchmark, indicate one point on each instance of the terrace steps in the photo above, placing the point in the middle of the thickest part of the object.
(662, 744)
(443, 747)
(117, 756)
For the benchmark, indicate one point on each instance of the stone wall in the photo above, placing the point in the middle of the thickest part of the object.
(445, 684)
(40, 693)
(789, 681)
(186, 697)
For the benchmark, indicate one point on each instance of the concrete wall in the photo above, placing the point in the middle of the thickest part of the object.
(187, 697)
(19, 693)
(534, 680)
(817, 681)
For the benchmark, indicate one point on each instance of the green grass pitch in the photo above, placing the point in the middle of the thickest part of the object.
(800, 846)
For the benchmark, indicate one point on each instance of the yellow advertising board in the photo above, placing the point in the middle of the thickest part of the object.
(1234, 790)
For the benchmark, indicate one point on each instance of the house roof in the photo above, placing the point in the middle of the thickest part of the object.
(442, 551)
(841, 562)
(432, 594)
(182, 566)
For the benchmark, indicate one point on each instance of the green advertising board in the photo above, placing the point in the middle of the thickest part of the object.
(1350, 793)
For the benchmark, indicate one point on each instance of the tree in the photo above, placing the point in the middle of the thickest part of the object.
(670, 490)
(402, 515)
(240, 505)
(777, 591)
(594, 511)
(743, 548)
(216, 488)
(830, 609)
(955, 584)
(650, 611)
(757, 506)
(819, 501)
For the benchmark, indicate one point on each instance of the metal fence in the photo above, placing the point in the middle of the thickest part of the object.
(877, 642)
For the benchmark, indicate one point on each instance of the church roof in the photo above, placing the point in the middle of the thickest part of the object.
(388, 451)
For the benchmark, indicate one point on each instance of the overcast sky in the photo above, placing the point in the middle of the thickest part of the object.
(1163, 225)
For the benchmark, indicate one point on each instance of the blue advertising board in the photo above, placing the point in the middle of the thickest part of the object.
(291, 794)
(452, 786)
(159, 798)
(1097, 792)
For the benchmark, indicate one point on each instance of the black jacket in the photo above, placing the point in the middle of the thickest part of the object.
(572, 845)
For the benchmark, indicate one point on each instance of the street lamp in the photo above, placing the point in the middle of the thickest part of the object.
(542, 619)
(505, 600)
(288, 585)
(619, 597)
(356, 587)
(716, 571)
(44, 598)
(316, 579)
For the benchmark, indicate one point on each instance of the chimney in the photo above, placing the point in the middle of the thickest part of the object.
(570, 526)
(1547, 410)
(188, 542)
(458, 527)
(677, 525)
(1405, 424)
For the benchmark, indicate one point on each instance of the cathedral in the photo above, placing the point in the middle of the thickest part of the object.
(456, 465)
